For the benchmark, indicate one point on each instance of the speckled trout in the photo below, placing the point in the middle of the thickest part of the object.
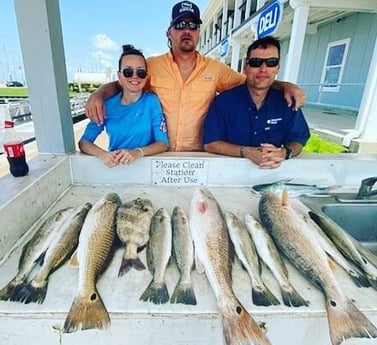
(211, 242)
(61, 248)
(34, 250)
(302, 248)
(95, 242)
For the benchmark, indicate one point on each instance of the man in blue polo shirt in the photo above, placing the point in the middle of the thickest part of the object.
(253, 120)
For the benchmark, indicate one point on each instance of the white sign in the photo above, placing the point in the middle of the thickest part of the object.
(178, 172)
(269, 19)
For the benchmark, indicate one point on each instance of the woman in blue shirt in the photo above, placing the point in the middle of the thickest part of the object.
(134, 122)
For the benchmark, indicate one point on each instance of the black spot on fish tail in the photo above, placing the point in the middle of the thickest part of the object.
(93, 297)
(333, 303)
(239, 310)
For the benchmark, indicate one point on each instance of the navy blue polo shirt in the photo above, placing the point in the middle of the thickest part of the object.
(233, 117)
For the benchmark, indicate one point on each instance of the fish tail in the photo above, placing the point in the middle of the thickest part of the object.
(30, 292)
(9, 290)
(156, 293)
(263, 296)
(239, 328)
(372, 280)
(128, 263)
(292, 298)
(348, 322)
(183, 293)
(87, 313)
(359, 279)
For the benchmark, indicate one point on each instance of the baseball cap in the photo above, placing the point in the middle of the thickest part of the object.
(183, 9)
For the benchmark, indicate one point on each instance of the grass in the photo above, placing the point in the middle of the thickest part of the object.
(14, 91)
(316, 144)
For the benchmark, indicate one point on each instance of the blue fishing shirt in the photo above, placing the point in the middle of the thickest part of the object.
(130, 125)
(234, 118)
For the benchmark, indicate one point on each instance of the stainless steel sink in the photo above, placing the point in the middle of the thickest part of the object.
(358, 218)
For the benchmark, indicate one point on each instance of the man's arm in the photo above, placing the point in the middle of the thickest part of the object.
(293, 94)
(94, 108)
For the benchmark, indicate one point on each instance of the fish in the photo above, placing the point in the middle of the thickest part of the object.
(334, 254)
(158, 256)
(211, 242)
(133, 221)
(95, 242)
(183, 253)
(268, 252)
(247, 253)
(302, 248)
(33, 252)
(61, 248)
(346, 245)
(294, 189)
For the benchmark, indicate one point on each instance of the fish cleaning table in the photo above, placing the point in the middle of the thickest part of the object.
(167, 180)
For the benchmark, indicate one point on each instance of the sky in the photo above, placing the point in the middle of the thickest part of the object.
(93, 33)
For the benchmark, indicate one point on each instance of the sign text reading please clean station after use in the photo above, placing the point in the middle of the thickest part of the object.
(177, 172)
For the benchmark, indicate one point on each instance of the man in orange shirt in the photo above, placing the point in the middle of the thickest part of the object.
(186, 82)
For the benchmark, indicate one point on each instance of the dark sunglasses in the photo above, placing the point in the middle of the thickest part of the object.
(257, 62)
(183, 25)
(128, 72)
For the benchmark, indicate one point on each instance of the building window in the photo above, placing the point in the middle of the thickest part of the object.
(334, 65)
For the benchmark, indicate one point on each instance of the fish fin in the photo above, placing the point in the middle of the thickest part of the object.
(240, 328)
(9, 290)
(292, 298)
(284, 198)
(156, 293)
(263, 296)
(28, 293)
(348, 322)
(183, 293)
(74, 261)
(87, 313)
(41, 258)
(128, 263)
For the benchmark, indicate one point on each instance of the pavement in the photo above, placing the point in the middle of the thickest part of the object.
(331, 125)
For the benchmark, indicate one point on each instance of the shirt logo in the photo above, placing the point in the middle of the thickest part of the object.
(274, 121)
(163, 125)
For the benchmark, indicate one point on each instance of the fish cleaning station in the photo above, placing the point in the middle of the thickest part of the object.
(333, 186)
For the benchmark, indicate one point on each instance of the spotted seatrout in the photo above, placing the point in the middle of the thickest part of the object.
(95, 241)
(61, 248)
(303, 249)
(33, 252)
(133, 223)
(211, 243)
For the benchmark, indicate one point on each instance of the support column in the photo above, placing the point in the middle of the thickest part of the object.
(41, 41)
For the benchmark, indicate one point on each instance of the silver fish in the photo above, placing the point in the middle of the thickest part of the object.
(346, 244)
(133, 223)
(33, 252)
(60, 249)
(247, 253)
(158, 255)
(211, 243)
(302, 248)
(183, 252)
(95, 242)
(293, 189)
(270, 255)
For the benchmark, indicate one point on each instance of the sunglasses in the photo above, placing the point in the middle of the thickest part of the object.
(257, 62)
(183, 25)
(128, 72)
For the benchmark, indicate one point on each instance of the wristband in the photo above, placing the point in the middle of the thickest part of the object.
(141, 151)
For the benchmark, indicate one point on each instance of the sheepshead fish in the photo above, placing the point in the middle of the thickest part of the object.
(183, 253)
(247, 253)
(270, 255)
(61, 248)
(302, 248)
(33, 251)
(95, 242)
(158, 255)
(211, 243)
(346, 244)
(133, 223)
(293, 189)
